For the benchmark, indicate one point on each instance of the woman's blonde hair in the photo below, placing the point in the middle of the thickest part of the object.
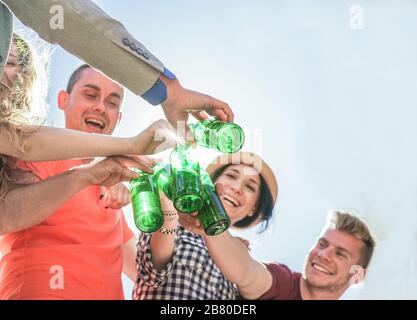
(17, 115)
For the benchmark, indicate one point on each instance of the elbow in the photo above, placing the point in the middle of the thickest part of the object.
(27, 148)
(26, 153)
(247, 278)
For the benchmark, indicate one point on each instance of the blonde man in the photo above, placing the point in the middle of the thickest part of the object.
(340, 257)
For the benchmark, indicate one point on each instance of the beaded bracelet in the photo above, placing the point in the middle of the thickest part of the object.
(169, 230)
(172, 213)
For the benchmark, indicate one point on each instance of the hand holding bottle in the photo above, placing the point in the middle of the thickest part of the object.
(115, 197)
(109, 171)
(191, 223)
(182, 101)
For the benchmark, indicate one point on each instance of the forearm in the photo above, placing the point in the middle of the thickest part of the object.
(28, 205)
(162, 248)
(80, 25)
(163, 243)
(232, 257)
(48, 144)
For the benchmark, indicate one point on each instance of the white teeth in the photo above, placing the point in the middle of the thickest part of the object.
(95, 121)
(321, 269)
(232, 201)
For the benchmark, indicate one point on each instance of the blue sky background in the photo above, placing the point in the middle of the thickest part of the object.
(329, 103)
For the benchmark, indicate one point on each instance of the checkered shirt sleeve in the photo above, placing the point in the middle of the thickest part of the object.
(190, 275)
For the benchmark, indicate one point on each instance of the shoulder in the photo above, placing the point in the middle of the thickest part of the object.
(285, 283)
(281, 270)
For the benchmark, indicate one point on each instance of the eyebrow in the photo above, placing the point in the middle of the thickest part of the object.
(337, 247)
(323, 239)
(250, 179)
(14, 56)
(344, 250)
(93, 86)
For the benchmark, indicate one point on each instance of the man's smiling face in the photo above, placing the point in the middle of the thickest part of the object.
(94, 103)
(330, 261)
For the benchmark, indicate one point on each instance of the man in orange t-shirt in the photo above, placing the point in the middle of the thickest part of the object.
(74, 243)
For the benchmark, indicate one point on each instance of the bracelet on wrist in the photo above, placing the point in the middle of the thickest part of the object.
(172, 213)
(169, 230)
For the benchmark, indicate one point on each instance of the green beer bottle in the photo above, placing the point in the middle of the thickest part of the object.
(147, 210)
(222, 136)
(162, 178)
(186, 182)
(213, 217)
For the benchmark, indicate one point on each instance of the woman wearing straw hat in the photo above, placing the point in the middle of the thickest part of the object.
(174, 264)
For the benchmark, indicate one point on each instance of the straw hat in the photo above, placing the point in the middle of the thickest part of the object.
(250, 159)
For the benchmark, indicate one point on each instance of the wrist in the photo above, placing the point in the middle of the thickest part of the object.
(170, 226)
(159, 92)
(173, 88)
(140, 142)
(170, 218)
(79, 176)
(133, 145)
(169, 230)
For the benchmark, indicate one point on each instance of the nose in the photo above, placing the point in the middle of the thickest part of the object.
(236, 187)
(8, 79)
(325, 254)
(99, 106)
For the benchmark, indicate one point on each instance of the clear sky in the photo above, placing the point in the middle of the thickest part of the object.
(326, 93)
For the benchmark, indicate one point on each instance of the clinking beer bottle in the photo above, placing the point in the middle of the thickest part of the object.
(162, 178)
(213, 217)
(186, 182)
(147, 211)
(225, 137)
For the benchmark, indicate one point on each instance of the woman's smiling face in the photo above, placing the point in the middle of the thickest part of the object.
(241, 190)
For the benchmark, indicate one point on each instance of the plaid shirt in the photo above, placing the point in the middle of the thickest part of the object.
(190, 275)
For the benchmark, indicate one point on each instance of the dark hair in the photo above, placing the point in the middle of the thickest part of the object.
(264, 204)
(75, 76)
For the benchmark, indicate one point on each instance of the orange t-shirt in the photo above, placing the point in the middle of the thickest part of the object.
(75, 254)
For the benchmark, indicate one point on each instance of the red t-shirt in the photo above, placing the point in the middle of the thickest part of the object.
(75, 254)
(285, 283)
